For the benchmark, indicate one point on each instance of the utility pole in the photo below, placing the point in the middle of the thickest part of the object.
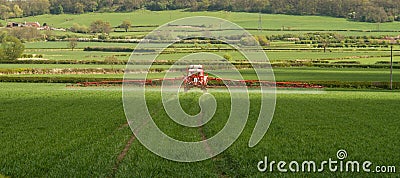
(379, 26)
(260, 28)
(391, 67)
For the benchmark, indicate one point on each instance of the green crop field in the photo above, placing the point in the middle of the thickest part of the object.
(80, 132)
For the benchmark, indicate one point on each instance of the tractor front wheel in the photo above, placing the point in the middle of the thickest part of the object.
(204, 89)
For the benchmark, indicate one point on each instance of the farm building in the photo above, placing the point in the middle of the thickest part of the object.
(25, 24)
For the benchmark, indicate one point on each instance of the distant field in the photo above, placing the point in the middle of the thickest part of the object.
(81, 45)
(80, 132)
(370, 60)
(344, 33)
(60, 51)
(246, 20)
(274, 56)
(326, 74)
(63, 66)
(77, 54)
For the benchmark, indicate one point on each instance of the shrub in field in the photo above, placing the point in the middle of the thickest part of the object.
(111, 60)
(103, 36)
(262, 40)
(248, 41)
(228, 57)
(79, 28)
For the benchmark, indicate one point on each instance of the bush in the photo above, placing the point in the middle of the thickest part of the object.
(262, 40)
(79, 28)
(111, 60)
(228, 57)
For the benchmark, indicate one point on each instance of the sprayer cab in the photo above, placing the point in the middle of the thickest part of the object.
(195, 78)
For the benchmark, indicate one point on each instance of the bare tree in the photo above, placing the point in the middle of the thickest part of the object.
(73, 43)
(126, 25)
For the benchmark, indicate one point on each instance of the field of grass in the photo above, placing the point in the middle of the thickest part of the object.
(246, 20)
(67, 54)
(81, 45)
(272, 23)
(274, 56)
(364, 57)
(59, 51)
(75, 132)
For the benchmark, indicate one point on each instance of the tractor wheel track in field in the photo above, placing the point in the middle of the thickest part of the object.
(122, 155)
(127, 147)
(129, 143)
(209, 149)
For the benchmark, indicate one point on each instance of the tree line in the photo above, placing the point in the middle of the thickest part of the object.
(358, 10)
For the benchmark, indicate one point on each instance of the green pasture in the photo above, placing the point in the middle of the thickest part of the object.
(246, 20)
(81, 45)
(77, 54)
(60, 51)
(80, 132)
(370, 60)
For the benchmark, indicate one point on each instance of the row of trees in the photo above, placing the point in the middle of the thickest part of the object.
(359, 10)
(99, 26)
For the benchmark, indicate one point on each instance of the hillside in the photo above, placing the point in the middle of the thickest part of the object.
(246, 20)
